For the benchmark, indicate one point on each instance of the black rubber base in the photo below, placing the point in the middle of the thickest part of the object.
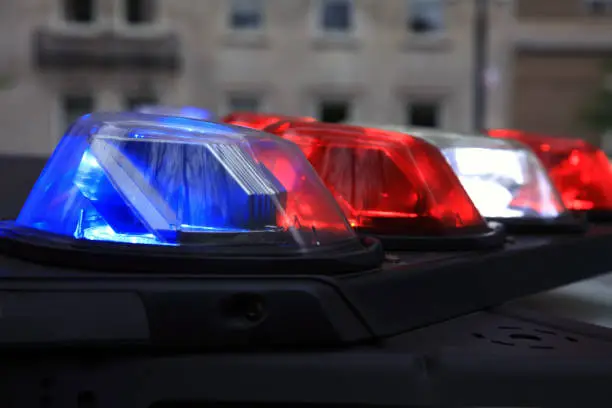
(58, 251)
(494, 237)
(280, 307)
(597, 216)
(568, 223)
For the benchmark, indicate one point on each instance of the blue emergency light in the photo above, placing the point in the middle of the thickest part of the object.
(134, 178)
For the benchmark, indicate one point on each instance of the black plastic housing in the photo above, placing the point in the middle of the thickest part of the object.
(355, 255)
(502, 357)
(242, 311)
(408, 334)
(492, 236)
(566, 223)
(425, 329)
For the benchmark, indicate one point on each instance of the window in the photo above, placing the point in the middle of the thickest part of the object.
(337, 15)
(247, 103)
(133, 102)
(598, 7)
(139, 11)
(607, 82)
(246, 14)
(334, 111)
(424, 114)
(79, 11)
(73, 107)
(425, 16)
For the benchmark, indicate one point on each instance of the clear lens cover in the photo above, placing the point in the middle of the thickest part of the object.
(260, 120)
(162, 180)
(580, 171)
(387, 183)
(191, 112)
(503, 178)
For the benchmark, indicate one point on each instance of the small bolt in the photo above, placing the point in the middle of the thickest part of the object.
(255, 310)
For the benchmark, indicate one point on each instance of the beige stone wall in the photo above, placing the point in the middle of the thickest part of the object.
(289, 63)
(560, 46)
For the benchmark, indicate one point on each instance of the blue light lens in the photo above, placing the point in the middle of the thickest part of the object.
(143, 184)
(167, 180)
(191, 112)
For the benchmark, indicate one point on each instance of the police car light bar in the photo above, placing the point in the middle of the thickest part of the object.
(238, 309)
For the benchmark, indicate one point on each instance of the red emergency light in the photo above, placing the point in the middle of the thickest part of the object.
(390, 184)
(580, 171)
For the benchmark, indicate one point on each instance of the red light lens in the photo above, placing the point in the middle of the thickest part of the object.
(580, 171)
(386, 182)
(259, 121)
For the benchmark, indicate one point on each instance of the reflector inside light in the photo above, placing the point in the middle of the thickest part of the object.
(147, 179)
(260, 120)
(503, 178)
(386, 182)
(580, 171)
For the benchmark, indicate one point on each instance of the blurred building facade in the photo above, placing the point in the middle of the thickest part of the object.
(559, 54)
(399, 61)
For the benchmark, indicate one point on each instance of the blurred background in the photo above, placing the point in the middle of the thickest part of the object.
(535, 65)
(538, 65)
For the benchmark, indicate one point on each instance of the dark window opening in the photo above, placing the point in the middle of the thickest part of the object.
(246, 14)
(76, 106)
(80, 11)
(244, 103)
(599, 7)
(334, 111)
(139, 11)
(337, 15)
(134, 102)
(423, 114)
(425, 16)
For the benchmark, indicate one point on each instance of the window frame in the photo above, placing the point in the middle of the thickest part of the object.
(588, 6)
(321, 17)
(410, 103)
(65, 119)
(233, 10)
(347, 101)
(147, 98)
(427, 6)
(237, 95)
(64, 13)
(152, 14)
